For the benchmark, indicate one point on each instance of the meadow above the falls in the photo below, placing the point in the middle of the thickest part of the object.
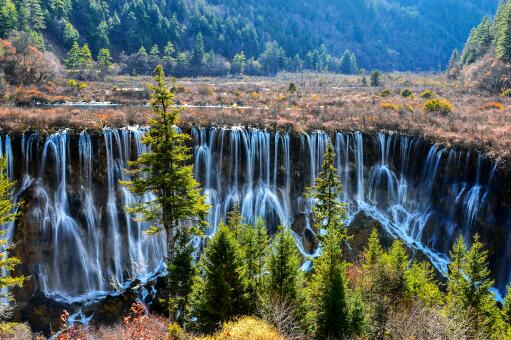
(401, 102)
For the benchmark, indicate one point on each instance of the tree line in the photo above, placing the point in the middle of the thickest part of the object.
(243, 270)
(386, 37)
(197, 62)
(491, 36)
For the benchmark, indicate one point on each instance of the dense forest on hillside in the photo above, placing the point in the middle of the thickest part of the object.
(398, 35)
(484, 61)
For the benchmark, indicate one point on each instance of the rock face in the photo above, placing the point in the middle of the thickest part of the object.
(75, 238)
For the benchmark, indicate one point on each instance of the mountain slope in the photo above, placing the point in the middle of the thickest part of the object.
(385, 34)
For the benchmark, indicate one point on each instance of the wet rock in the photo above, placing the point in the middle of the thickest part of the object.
(309, 241)
(299, 223)
(359, 230)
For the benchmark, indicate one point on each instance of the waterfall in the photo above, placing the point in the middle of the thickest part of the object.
(88, 246)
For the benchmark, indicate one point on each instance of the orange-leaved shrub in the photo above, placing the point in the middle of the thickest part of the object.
(492, 106)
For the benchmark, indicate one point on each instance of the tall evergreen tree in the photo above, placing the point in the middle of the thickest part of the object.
(198, 52)
(453, 60)
(169, 52)
(503, 32)
(164, 172)
(181, 272)
(506, 311)
(328, 287)
(8, 17)
(239, 62)
(348, 63)
(7, 262)
(328, 210)
(219, 290)
(104, 61)
(73, 59)
(479, 42)
(85, 57)
(69, 34)
(468, 290)
(284, 268)
(254, 247)
(155, 51)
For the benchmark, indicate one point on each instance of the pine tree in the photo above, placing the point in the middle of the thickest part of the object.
(239, 62)
(164, 172)
(468, 290)
(37, 21)
(8, 17)
(85, 57)
(142, 51)
(395, 265)
(104, 61)
(7, 262)
(284, 268)
(181, 272)
(375, 78)
(254, 245)
(348, 63)
(478, 43)
(219, 290)
(373, 251)
(69, 34)
(169, 52)
(454, 59)
(155, 51)
(73, 59)
(31, 16)
(328, 211)
(328, 290)
(506, 310)
(373, 286)
(503, 32)
(198, 52)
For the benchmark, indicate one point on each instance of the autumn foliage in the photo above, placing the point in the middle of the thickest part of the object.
(24, 64)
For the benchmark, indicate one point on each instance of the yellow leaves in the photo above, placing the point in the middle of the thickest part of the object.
(246, 327)
(390, 106)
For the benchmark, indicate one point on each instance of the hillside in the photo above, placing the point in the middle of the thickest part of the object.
(390, 35)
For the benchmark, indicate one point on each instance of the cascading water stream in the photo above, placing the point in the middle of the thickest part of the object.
(89, 246)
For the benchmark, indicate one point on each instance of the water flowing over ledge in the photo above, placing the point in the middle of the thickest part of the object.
(78, 243)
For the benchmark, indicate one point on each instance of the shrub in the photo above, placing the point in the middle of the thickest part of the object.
(375, 78)
(427, 94)
(246, 327)
(16, 331)
(506, 93)
(29, 96)
(492, 106)
(390, 106)
(405, 110)
(292, 88)
(386, 93)
(205, 90)
(406, 93)
(438, 106)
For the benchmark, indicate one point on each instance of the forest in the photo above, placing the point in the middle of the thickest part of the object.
(395, 35)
